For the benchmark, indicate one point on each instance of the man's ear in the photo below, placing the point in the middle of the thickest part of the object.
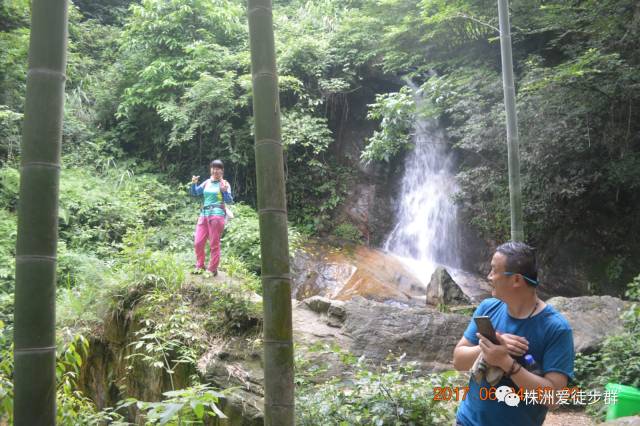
(519, 280)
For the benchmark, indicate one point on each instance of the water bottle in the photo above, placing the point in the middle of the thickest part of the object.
(531, 365)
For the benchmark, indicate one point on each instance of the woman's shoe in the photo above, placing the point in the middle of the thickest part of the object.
(198, 271)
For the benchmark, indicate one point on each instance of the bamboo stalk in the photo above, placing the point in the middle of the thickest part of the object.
(34, 332)
(272, 210)
(513, 148)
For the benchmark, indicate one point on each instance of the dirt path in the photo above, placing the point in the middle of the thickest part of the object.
(566, 418)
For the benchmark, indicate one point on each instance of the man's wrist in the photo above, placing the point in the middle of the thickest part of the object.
(506, 364)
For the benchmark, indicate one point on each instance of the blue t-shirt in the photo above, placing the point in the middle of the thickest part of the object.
(551, 344)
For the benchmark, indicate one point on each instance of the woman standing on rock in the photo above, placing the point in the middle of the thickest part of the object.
(217, 193)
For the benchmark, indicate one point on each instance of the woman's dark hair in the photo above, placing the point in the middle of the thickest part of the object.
(521, 259)
(217, 163)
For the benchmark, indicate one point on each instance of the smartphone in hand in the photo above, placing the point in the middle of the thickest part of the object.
(485, 327)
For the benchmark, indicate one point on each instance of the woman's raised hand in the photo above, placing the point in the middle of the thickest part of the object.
(194, 179)
(224, 185)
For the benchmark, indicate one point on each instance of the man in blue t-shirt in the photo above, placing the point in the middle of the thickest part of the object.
(524, 325)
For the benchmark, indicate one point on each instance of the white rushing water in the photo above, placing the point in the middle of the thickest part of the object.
(425, 231)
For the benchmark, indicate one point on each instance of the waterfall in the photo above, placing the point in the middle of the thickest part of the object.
(425, 233)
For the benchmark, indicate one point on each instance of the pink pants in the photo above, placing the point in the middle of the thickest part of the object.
(210, 227)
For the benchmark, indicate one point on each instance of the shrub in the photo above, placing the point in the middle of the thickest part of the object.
(618, 361)
(9, 186)
(7, 264)
(241, 238)
(73, 407)
(392, 395)
(347, 231)
(192, 405)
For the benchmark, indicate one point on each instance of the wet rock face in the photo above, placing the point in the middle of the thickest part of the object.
(592, 318)
(360, 208)
(371, 199)
(354, 271)
(344, 273)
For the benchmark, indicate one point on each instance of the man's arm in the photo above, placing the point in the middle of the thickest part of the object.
(465, 354)
(527, 380)
(497, 355)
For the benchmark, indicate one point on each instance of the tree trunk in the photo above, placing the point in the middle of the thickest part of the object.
(276, 281)
(34, 333)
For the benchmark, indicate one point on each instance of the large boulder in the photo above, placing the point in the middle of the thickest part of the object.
(450, 286)
(377, 330)
(592, 318)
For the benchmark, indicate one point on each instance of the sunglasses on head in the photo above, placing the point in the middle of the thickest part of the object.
(531, 280)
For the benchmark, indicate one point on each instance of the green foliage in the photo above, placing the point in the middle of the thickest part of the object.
(9, 186)
(14, 13)
(97, 209)
(98, 260)
(236, 311)
(313, 184)
(488, 205)
(192, 405)
(9, 183)
(316, 202)
(9, 133)
(241, 238)
(633, 289)
(90, 288)
(93, 211)
(347, 231)
(6, 373)
(14, 45)
(81, 276)
(397, 112)
(390, 395)
(7, 264)
(178, 80)
(169, 343)
(106, 11)
(73, 407)
(146, 266)
(304, 138)
(168, 82)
